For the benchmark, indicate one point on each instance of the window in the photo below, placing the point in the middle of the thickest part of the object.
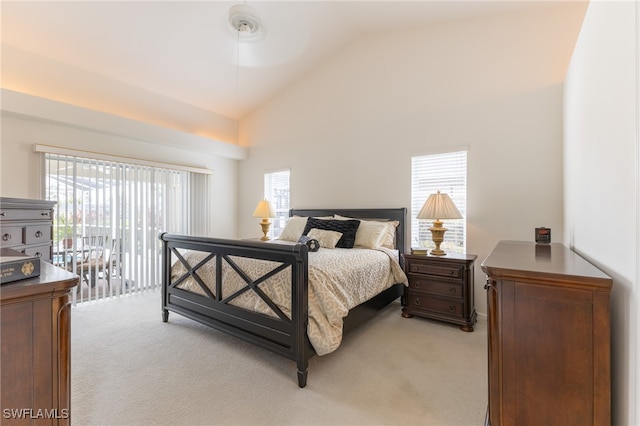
(108, 216)
(446, 172)
(276, 191)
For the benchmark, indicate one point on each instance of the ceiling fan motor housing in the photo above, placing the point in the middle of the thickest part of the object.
(246, 22)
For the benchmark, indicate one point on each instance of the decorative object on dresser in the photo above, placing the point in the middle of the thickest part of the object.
(440, 288)
(438, 206)
(15, 265)
(27, 226)
(548, 326)
(265, 211)
(36, 347)
(543, 235)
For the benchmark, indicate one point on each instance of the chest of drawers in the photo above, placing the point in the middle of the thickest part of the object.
(549, 337)
(440, 287)
(27, 226)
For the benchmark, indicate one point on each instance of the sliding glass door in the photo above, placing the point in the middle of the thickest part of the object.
(107, 220)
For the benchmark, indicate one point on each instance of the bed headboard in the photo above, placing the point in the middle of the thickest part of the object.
(399, 214)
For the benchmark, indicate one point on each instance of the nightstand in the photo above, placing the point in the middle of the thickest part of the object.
(441, 288)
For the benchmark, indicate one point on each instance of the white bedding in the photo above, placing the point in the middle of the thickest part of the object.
(339, 279)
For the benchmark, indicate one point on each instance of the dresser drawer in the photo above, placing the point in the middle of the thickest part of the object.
(417, 267)
(37, 233)
(42, 251)
(429, 285)
(11, 236)
(25, 214)
(444, 306)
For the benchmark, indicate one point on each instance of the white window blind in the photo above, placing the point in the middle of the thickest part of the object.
(447, 173)
(108, 217)
(276, 191)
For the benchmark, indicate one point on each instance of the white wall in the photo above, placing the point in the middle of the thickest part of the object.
(348, 130)
(20, 167)
(602, 176)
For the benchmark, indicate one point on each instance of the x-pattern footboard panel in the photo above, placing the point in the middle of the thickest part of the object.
(251, 284)
(255, 286)
(280, 333)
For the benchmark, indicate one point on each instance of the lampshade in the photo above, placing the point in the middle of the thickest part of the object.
(439, 206)
(264, 209)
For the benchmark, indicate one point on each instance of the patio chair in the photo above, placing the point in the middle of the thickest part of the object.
(95, 261)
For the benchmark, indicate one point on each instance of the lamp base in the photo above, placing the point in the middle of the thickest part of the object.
(437, 252)
(437, 235)
(265, 224)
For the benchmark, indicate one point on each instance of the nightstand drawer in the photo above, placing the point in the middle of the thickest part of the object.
(417, 267)
(429, 285)
(448, 307)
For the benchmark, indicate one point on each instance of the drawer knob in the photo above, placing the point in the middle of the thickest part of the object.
(38, 254)
(452, 289)
(417, 302)
(6, 237)
(452, 308)
(44, 214)
(418, 285)
(38, 234)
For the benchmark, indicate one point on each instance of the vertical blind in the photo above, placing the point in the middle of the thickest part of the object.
(447, 173)
(276, 191)
(108, 216)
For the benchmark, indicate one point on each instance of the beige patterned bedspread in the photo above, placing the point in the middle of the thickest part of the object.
(339, 279)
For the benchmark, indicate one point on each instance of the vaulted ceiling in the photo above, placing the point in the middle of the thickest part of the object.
(187, 52)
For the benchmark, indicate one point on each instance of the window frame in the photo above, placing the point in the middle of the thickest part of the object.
(279, 195)
(445, 171)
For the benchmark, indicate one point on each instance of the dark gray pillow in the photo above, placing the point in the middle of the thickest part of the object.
(348, 228)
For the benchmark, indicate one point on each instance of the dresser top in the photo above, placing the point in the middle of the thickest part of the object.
(25, 203)
(522, 259)
(51, 280)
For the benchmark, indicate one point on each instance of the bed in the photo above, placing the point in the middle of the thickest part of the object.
(262, 291)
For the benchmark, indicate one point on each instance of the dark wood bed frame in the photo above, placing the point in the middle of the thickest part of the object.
(283, 335)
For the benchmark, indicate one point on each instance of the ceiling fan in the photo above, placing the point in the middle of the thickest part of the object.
(267, 37)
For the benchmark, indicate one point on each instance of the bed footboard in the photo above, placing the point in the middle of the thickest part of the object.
(285, 335)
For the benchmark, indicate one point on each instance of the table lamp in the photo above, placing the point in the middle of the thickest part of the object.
(265, 211)
(438, 206)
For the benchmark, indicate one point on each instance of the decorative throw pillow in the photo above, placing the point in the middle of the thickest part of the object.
(348, 228)
(327, 239)
(313, 245)
(293, 229)
(370, 230)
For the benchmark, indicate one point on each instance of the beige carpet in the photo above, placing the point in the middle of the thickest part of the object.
(128, 367)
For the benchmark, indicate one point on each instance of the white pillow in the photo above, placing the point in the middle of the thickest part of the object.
(326, 238)
(374, 233)
(389, 240)
(293, 229)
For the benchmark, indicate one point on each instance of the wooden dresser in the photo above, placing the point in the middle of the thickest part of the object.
(27, 226)
(440, 287)
(36, 348)
(548, 337)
